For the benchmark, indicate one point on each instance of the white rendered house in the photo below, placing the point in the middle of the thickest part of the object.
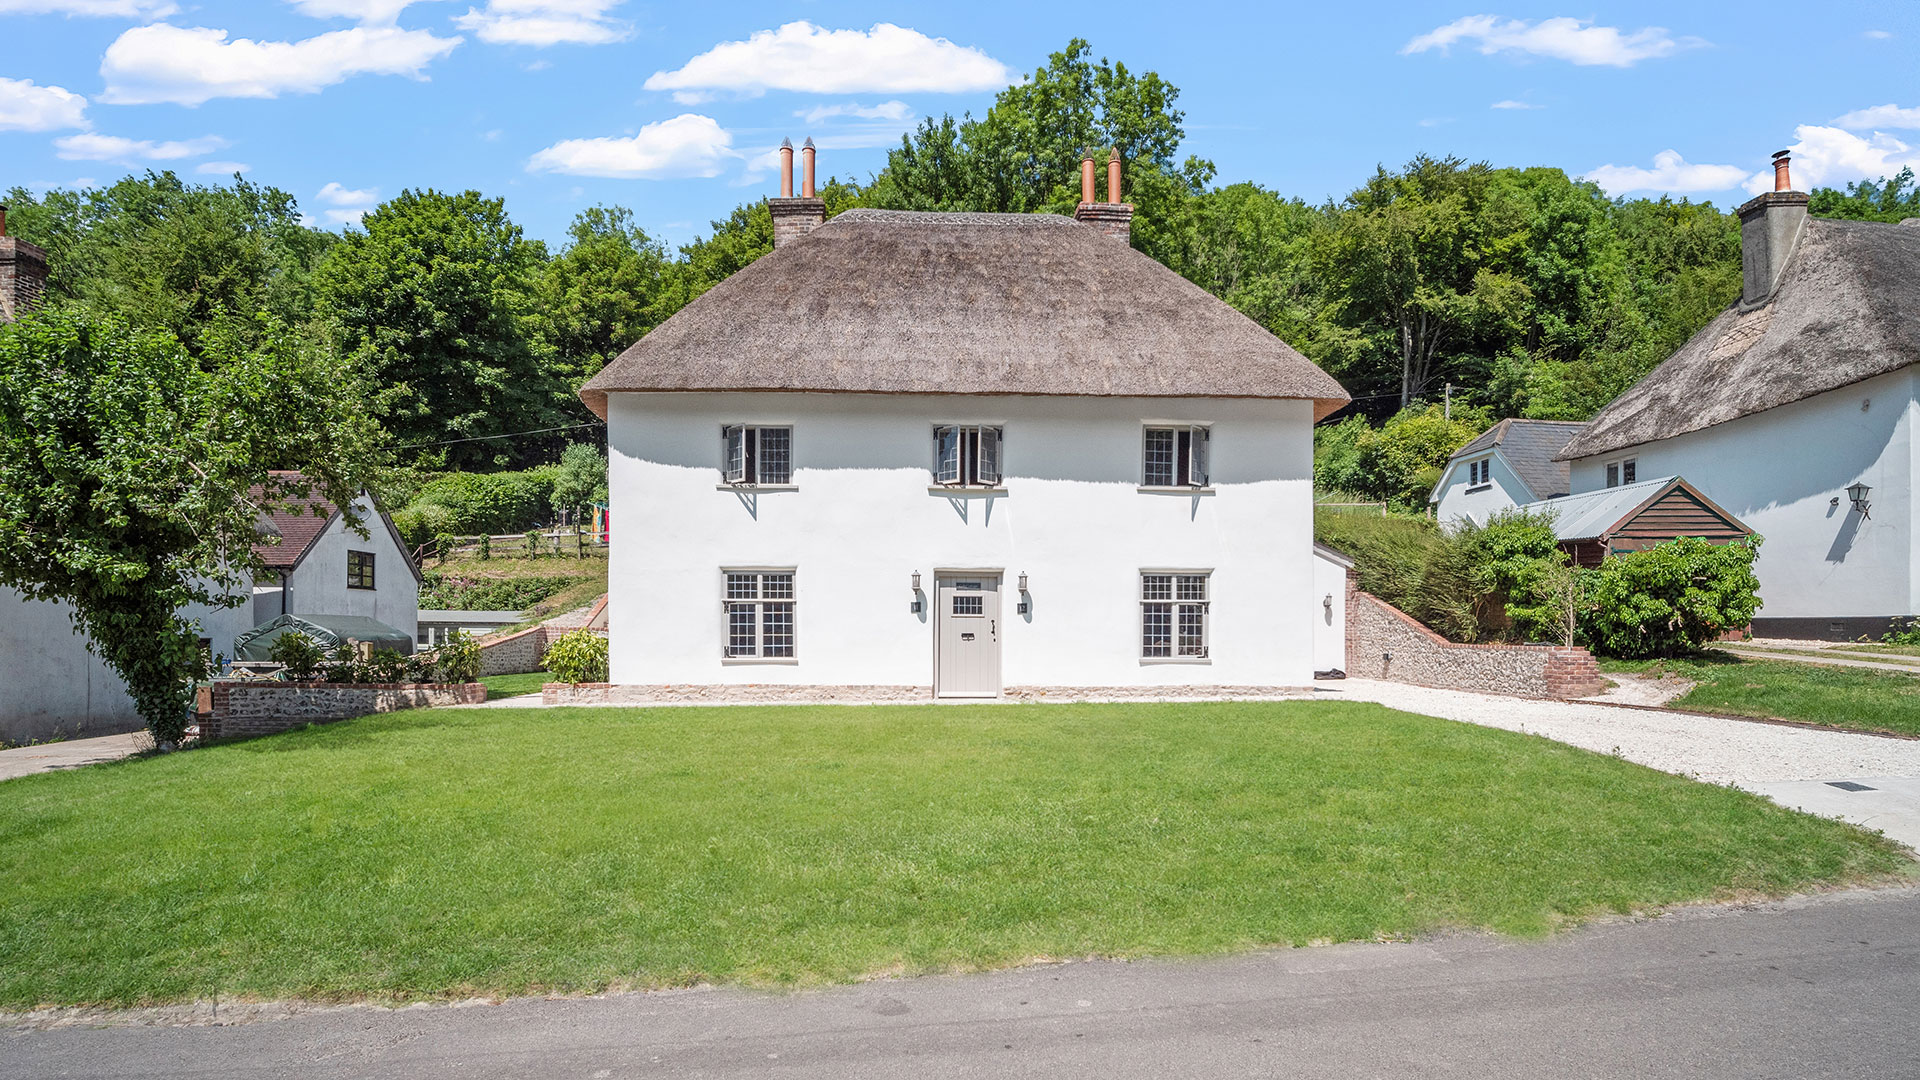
(1508, 465)
(1794, 410)
(908, 455)
(320, 566)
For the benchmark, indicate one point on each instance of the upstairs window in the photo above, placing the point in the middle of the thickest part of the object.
(757, 455)
(1621, 472)
(359, 569)
(1173, 615)
(966, 456)
(1176, 457)
(759, 613)
(1477, 473)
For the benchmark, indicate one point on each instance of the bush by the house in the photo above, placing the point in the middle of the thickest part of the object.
(1400, 461)
(458, 659)
(299, 654)
(455, 592)
(386, 666)
(468, 503)
(1670, 599)
(1512, 562)
(578, 656)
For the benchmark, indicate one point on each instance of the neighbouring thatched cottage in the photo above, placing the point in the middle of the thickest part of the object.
(1794, 411)
(960, 455)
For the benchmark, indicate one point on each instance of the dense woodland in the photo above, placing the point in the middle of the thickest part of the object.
(1531, 293)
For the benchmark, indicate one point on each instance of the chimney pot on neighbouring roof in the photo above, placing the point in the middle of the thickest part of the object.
(786, 168)
(1112, 217)
(794, 218)
(1782, 180)
(3, 221)
(1113, 176)
(806, 169)
(1086, 177)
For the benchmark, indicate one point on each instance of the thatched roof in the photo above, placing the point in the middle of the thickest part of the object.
(1529, 447)
(1847, 309)
(892, 302)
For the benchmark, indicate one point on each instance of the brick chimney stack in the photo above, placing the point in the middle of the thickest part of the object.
(1112, 217)
(23, 274)
(793, 217)
(1770, 226)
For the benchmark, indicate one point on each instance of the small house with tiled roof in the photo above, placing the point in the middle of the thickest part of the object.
(1508, 465)
(960, 455)
(1794, 410)
(320, 566)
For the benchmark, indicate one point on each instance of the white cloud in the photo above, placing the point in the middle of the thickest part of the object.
(364, 12)
(1512, 104)
(26, 107)
(803, 57)
(1670, 173)
(91, 147)
(1876, 35)
(222, 168)
(1829, 157)
(545, 22)
(1881, 116)
(886, 110)
(348, 205)
(687, 145)
(162, 63)
(1577, 41)
(123, 9)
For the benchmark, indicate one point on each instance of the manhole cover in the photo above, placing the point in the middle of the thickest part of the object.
(1848, 785)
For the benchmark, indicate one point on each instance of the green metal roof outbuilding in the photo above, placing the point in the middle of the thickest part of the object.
(326, 630)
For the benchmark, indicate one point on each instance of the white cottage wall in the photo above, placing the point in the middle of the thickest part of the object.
(318, 586)
(862, 521)
(1330, 615)
(1784, 472)
(1478, 503)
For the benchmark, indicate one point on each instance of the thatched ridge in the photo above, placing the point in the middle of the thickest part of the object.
(1847, 309)
(893, 302)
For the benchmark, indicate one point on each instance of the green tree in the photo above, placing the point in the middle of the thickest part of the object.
(436, 298)
(580, 481)
(133, 474)
(1670, 599)
(1892, 200)
(175, 256)
(746, 235)
(1399, 462)
(607, 289)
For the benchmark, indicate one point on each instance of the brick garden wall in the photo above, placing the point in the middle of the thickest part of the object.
(1384, 642)
(265, 708)
(514, 654)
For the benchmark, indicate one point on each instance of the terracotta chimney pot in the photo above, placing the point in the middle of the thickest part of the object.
(806, 169)
(1782, 181)
(1086, 177)
(786, 168)
(1113, 177)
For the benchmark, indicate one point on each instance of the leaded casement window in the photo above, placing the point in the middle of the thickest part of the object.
(1176, 456)
(758, 605)
(360, 570)
(1480, 472)
(966, 456)
(756, 455)
(1173, 615)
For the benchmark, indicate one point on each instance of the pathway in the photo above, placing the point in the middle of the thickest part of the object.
(46, 757)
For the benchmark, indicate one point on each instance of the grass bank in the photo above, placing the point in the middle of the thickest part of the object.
(501, 686)
(438, 853)
(1859, 699)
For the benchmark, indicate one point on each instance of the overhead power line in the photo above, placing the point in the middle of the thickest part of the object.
(508, 435)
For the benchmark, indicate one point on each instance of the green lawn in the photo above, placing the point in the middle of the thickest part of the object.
(448, 853)
(1864, 699)
(499, 686)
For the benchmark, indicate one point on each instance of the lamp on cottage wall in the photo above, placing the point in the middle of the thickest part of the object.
(1022, 608)
(1858, 494)
(916, 593)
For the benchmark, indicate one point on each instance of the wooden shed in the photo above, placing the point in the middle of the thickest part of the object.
(1632, 517)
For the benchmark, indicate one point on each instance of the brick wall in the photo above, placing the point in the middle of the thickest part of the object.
(786, 694)
(265, 708)
(795, 217)
(23, 277)
(1384, 642)
(516, 653)
(1113, 219)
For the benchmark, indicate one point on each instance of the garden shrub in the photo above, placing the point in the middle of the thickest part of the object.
(385, 666)
(458, 659)
(299, 654)
(469, 503)
(454, 592)
(1670, 599)
(419, 523)
(1400, 461)
(578, 656)
(1512, 559)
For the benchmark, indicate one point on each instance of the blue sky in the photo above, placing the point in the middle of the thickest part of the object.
(672, 109)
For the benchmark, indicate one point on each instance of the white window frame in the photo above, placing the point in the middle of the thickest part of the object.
(758, 603)
(1480, 472)
(1179, 608)
(1191, 473)
(738, 459)
(970, 456)
(1617, 471)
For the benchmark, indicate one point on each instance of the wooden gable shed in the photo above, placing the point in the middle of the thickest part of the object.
(1633, 517)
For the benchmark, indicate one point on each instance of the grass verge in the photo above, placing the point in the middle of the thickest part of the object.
(499, 686)
(447, 853)
(1858, 699)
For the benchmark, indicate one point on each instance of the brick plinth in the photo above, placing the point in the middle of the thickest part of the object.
(1113, 219)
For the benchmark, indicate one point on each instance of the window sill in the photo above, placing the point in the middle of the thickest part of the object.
(961, 491)
(1478, 488)
(1145, 489)
(1202, 660)
(735, 661)
(754, 489)
(364, 588)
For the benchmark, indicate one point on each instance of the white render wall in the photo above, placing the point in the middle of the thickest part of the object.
(1330, 615)
(318, 586)
(1781, 470)
(863, 521)
(1505, 493)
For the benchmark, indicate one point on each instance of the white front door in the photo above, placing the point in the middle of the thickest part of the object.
(966, 661)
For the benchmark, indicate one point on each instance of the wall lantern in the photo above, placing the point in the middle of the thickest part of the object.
(917, 606)
(1858, 493)
(1023, 607)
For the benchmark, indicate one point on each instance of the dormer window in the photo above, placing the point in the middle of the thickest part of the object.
(756, 456)
(966, 456)
(1176, 456)
(1479, 472)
